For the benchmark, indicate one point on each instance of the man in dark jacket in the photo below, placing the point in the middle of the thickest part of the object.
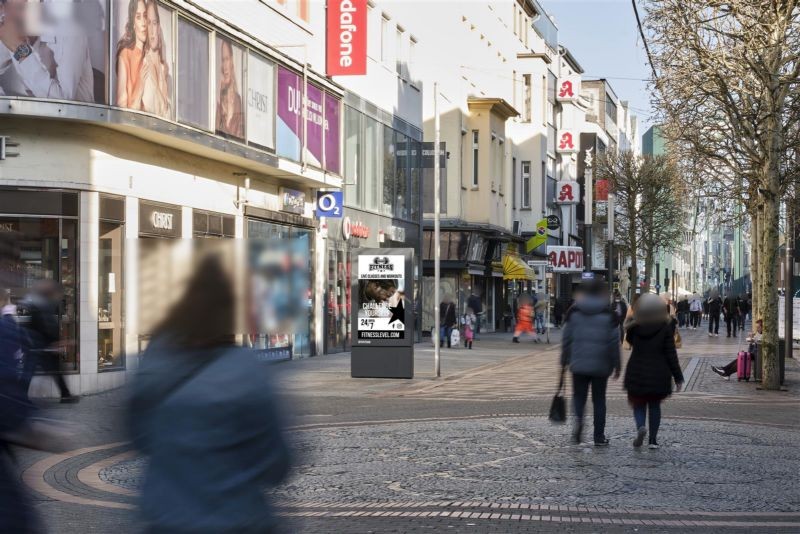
(447, 319)
(42, 309)
(590, 348)
(730, 309)
(620, 308)
(714, 309)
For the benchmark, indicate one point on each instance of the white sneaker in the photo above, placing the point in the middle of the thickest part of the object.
(653, 446)
(716, 335)
(710, 334)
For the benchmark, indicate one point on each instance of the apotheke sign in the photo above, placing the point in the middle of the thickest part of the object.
(565, 259)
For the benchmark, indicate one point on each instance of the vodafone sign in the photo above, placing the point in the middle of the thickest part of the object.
(347, 38)
(565, 259)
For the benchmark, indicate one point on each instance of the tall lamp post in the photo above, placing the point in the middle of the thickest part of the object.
(611, 208)
(437, 187)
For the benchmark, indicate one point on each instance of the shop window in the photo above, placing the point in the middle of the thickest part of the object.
(353, 138)
(401, 196)
(372, 185)
(389, 171)
(46, 248)
(416, 176)
(193, 74)
(110, 298)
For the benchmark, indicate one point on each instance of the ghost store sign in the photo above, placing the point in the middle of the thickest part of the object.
(159, 221)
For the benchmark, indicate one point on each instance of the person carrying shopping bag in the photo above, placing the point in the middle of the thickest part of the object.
(652, 367)
(469, 327)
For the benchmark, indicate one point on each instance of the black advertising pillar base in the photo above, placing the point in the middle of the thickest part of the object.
(382, 362)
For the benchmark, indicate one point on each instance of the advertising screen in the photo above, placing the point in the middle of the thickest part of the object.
(381, 296)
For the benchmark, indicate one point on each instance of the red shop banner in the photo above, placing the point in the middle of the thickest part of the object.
(346, 51)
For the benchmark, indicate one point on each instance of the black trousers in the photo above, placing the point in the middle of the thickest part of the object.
(713, 324)
(49, 362)
(731, 368)
(580, 392)
(731, 321)
(695, 318)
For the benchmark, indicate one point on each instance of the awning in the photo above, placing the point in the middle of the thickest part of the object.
(515, 269)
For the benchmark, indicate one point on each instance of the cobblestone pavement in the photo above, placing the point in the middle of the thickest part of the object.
(473, 452)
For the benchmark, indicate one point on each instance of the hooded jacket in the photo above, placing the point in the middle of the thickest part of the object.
(654, 360)
(590, 342)
(208, 421)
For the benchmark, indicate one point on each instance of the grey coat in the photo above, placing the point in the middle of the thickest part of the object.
(590, 342)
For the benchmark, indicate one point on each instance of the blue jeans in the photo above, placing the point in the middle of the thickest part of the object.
(539, 321)
(640, 415)
(444, 335)
(580, 392)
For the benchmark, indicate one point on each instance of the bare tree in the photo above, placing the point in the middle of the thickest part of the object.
(649, 203)
(726, 85)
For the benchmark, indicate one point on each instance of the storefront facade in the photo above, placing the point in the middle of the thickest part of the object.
(235, 147)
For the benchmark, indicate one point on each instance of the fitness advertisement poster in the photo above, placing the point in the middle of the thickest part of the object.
(381, 296)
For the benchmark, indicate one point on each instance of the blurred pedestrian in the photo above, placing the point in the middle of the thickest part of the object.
(590, 349)
(16, 509)
(469, 328)
(730, 310)
(447, 320)
(558, 312)
(620, 310)
(683, 312)
(42, 307)
(204, 413)
(714, 309)
(524, 319)
(695, 311)
(652, 367)
(474, 302)
(539, 310)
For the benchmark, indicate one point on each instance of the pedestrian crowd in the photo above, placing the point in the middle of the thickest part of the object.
(650, 329)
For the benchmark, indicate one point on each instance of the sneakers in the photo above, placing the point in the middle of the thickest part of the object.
(717, 370)
(640, 434)
(515, 340)
(716, 335)
(710, 334)
(653, 446)
(602, 442)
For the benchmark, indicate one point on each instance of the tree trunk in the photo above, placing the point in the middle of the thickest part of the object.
(754, 254)
(634, 244)
(768, 291)
(648, 270)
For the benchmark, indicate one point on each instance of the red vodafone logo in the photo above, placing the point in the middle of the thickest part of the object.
(347, 38)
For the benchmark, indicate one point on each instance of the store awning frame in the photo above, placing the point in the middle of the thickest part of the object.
(516, 269)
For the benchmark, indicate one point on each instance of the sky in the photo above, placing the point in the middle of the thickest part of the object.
(602, 35)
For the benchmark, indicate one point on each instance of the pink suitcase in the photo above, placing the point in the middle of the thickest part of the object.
(743, 366)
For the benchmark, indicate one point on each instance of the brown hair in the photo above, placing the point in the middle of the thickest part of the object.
(205, 316)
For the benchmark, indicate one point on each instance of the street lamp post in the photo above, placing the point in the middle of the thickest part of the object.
(611, 208)
(437, 186)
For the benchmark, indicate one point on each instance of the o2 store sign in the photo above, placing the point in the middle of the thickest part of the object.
(565, 259)
(346, 41)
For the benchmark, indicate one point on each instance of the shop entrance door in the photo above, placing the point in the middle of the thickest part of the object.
(338, 300)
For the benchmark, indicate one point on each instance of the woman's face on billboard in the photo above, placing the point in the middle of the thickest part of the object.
(227, 63)
(152, 25)
(140, 22)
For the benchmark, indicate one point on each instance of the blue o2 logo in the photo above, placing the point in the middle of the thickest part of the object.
(330, 204)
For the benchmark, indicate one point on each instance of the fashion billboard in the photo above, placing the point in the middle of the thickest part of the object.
(322, 122)
(230, 83)
(346, 50)
(261, 101)
(54, 49)
(143, 57)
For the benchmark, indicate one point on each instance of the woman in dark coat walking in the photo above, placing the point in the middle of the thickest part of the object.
(652, 367)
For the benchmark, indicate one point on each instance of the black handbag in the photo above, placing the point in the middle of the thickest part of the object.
(558, 408)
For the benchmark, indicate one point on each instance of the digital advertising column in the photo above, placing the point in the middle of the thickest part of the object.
(383, 314)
